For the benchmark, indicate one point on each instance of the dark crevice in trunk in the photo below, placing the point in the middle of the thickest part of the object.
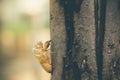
(70, 7)
(100, 31)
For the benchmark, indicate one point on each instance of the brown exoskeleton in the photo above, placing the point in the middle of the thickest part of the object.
(42, 53)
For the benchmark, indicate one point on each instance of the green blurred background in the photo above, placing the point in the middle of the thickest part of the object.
(22, 24)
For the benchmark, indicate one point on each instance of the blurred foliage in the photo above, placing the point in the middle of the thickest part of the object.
(22, 23)
(20, 27)
(47, 24)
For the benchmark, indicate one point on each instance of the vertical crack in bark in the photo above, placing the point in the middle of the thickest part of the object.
(100, 31)
(70, 6)
(69, 24)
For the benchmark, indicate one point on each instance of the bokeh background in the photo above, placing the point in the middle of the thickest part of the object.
(22, 24)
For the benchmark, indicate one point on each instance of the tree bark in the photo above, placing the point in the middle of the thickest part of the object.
(111, 53)
(76, 53)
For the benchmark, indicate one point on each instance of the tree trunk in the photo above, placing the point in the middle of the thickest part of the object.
(111, 52)
(83, 46)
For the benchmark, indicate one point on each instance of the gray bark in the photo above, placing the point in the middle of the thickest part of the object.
(73, 35)
(111, 54)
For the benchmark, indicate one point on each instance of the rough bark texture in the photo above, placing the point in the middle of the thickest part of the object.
(111, 54)
(73, 34)
(58, 35)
